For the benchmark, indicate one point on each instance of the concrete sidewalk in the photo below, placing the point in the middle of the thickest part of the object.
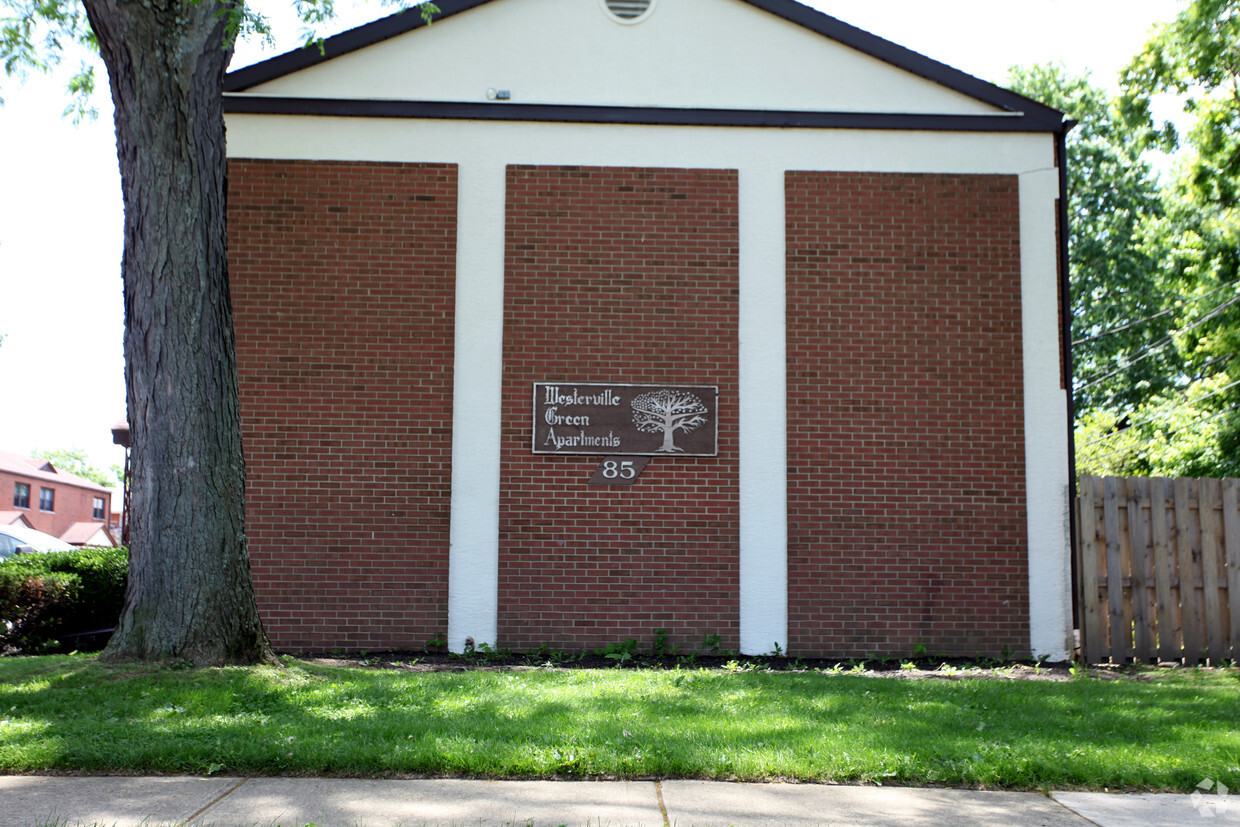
(42, 801)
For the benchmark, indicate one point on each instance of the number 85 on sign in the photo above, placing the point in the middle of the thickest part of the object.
(618, 470)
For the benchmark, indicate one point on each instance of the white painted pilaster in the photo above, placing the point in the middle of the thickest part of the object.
(1046, 430)
(473, 558)
(763, 413)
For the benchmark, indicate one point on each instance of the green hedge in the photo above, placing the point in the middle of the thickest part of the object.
(49, 599)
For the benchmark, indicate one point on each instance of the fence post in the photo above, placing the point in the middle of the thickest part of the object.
(1186, 557)
(1212, 578)
(1120, 633)
(1140, 547)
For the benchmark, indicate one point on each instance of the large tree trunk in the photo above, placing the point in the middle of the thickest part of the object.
(189, 593)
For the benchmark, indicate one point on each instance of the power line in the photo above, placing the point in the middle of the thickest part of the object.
(1157, 346)
(1131, 325)
(1121, 329)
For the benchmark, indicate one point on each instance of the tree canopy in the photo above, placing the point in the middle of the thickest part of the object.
(1197, 58)
(1119, 299)
(1155, 260)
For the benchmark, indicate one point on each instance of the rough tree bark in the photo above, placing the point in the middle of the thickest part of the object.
(190, 595)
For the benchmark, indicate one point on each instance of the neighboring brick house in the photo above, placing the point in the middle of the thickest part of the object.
(54, 501)
(853, 248)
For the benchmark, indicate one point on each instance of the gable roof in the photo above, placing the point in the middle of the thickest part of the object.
(15, 518)
(81, 534)
(995, 108)
(41, 469)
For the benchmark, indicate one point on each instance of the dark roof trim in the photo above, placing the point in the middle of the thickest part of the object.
(910, 61)
(1049, 120)
(343, 108)
(366, 35)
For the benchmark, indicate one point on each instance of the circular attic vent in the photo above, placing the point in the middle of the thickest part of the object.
(628, 11)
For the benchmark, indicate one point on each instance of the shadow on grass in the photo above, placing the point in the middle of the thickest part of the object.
(72, 713)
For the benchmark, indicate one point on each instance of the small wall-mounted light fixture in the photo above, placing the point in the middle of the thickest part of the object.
(498, 94)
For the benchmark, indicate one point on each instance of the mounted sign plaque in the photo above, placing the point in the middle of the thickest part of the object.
(625, 420)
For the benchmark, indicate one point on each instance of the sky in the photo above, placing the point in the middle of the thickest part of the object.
(61, 306)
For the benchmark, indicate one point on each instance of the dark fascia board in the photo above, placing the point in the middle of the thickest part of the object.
(337, 45)
(910, 61)
(1039, 117)
(630, 115)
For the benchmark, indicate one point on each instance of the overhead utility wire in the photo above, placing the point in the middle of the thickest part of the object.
(1122, 328)
(1157, 346)
(1179, 296)
(1130, 325)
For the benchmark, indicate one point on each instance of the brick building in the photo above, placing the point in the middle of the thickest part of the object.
(852, 247)
(54, 501)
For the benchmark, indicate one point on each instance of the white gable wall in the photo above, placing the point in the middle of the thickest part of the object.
(715, 54)
(709, 54)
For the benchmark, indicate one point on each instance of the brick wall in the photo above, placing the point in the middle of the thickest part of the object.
(905, 411)
(343, 280)
(624, 276)
(906, 446)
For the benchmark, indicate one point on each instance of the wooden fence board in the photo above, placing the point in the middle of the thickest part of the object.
(1140, 557)
(1187, 560)
(1125, 571)
(1093, 640)
(1100, 567)
(1231, 542)
(1118, 631)
(1168, 637)
(1215, 631)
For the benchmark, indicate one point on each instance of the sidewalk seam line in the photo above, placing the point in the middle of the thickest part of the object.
(1074, 812)
(218, 799)
(658, 791)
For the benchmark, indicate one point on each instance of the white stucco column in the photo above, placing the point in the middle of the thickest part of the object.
(1046, 429)
(763, 413)
(473, 558)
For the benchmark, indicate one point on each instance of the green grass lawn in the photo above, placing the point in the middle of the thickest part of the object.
(1164, 731)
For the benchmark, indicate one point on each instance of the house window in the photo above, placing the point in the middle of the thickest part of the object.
(97, 512)
(47, 499)
(21, 495)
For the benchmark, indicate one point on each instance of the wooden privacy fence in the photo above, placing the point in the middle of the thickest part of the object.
(1158, 569)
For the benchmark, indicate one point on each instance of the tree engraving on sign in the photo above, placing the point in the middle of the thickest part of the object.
(668, 411)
